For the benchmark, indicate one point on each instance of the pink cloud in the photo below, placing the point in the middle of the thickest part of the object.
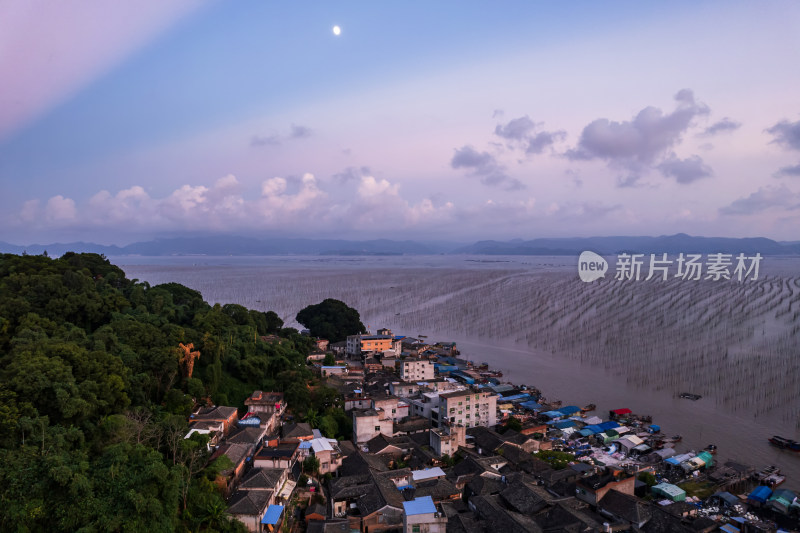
(53, 49)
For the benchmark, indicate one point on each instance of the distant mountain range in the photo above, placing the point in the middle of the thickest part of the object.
(234, 245)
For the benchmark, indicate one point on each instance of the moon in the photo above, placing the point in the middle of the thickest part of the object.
(337, 30)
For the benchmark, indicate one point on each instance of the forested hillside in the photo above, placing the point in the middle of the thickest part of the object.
(95, 390)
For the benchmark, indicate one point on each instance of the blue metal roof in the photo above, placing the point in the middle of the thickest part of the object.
(272, 515)
(553, 414)
(422, 505)
(594, 429)
(563, 424)
(533, 406)
(608, 425)
(570, 410)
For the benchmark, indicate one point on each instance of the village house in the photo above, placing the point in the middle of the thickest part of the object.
(211, 418)
(447, 439)
(592, 489)
(268, 407)
(420, 515)
(368, 423)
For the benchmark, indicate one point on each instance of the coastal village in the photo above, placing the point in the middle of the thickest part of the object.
(440, 444)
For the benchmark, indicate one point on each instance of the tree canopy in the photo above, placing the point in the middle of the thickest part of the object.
(331, 319)
(95, 389)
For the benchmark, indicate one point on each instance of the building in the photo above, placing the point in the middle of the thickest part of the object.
(446, 440)
(367, 343)
(369, 423)
(592, 489)
(421, 516)
(469, 408)
(328, 453)
(211, 418)
(413, 369)
(268, 406)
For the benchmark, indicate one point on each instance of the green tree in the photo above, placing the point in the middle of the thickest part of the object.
(311, 465)
(331, 319)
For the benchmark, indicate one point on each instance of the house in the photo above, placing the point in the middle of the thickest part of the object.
(372, 365)
(315, 511)
(369, 423)
(299, 431)
(268, 406)
(249, 507)
(446, 440)
(625, 508)
(238, 455)
(420, 515)
(593, 488)
(333, 370)
(213, 417)
(668, 491)
(328, 453)
(282, 455)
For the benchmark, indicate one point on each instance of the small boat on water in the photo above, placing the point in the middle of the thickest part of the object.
(590, 407)
(711, 448)
(784, 443)
(690, 396)
(770, 476)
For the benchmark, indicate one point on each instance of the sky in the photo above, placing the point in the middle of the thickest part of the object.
(125, 121)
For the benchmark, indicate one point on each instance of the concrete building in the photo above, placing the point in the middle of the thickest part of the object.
(367, 343)
(420, 515)
(446, 440)
(413, 369)
(468, 407)
(370, 423)
(426, 405)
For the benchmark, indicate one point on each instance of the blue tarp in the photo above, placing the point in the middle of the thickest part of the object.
(608, 425)
(533, 406)
(563, 424)
(570, 410)
(672, 461)
(553, 414)
(586, 432)
(272, 515)
(514, 398)
(654, 428)
(461, 375)
(760, 494)
(594, 429)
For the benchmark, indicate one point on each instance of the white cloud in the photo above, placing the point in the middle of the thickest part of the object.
(60, 209)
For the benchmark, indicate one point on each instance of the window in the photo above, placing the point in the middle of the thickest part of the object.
(459, 403)
(468, 408)
(415, 528)
(377, 428)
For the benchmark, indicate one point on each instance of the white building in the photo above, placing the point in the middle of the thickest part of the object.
(469, 408)
(413, 369)
(446, 440)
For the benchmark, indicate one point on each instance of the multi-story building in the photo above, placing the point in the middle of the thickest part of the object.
(414, 369)
(446, 440)
(369, 423)
(367, 343)
(468, 407)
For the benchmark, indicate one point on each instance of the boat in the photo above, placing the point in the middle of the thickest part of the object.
(690, 396)
(590, 407)
(711, 448)
(784, 443)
